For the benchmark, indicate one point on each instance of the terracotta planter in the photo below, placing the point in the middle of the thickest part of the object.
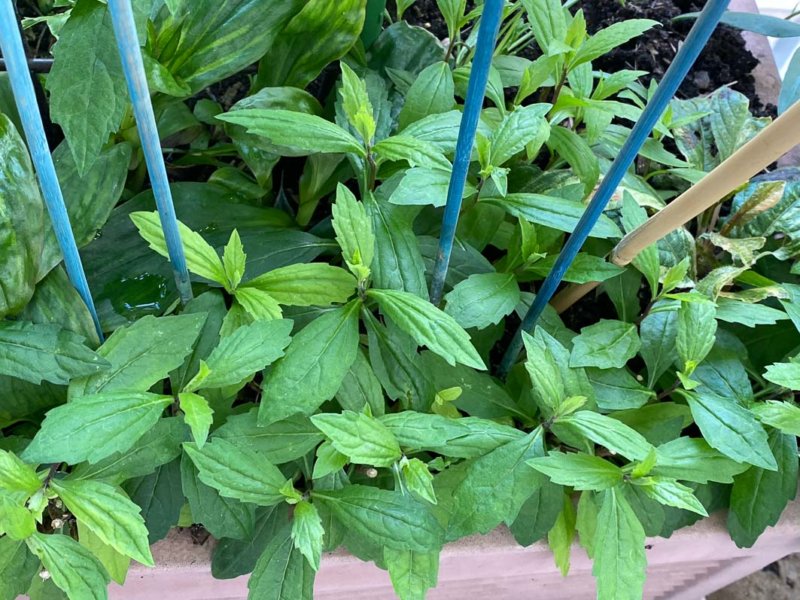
(692, 563)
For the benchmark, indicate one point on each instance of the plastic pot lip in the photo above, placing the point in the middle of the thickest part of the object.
(693, 562)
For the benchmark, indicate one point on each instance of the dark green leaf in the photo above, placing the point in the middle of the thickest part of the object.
(483, 299)
(605, 345)
(17, 566)
(160, 497)
(692, 459)
(282, 571)
(232, 558)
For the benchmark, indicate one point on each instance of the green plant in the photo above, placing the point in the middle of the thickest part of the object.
(298, 405)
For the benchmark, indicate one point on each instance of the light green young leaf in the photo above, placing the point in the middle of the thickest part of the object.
(94, 427)
(429, 326)
(780, 415)
(362, 438)
(329, 460)
(580, 471)
(87, 72)
(234, 261)
(246, 351)
(524, 127)
(36, 352)
(692, 459)
(671, 493)
(784, 374)
(313, 367)
(307, 284)
(201, 258)
(609, 38)
(697, 327)
(73, 568)
(483, 299)
(419, 480)
(237, 472)
(548, 22)
(758, 497)
(282, 572)
(423, 186)
(411, 150)
(353, 229)
(295, 134)
(561, 535)
(658, 331)
(608, 432)
(385, 517)
(109, 514)
(16, 521)
(412, 573)
(542, 365)
(307, 532)
(142, 354)
(115, 563)
(256, 304)
(606, 345)
(356, 103)
(431, 93)
(731, 429)
(198, 414)
(453, 13)
(16, 476)
(619, 554)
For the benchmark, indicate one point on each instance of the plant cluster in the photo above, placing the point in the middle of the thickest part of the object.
(310, 397)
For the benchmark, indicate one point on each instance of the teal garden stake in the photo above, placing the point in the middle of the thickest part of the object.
(133, 66)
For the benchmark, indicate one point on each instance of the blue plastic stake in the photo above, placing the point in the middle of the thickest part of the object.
(132, 64)
(25, 97)
(476, 90)
(690, 50)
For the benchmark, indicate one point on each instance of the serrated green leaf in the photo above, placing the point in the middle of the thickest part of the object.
(784, 374)
(142, 354)
(431, 93)
(198, 414)
(16, 476)
(780, 415)
(201, 257)
(329, 460)
(388, 518)
(313, 367)
(356, 104)
(608, 432)
(695, 337)
(73, 568)
(658, 331)
(561, 535)
(692, 459)
(580, 471)
(16, 521)
(94, 427)
(429, 326)
(295, 134)
(519, 129)
(360, 388)
(307, 532)
(282, 572)
(237, 472)
(619, 553)
(758, 497)
(246, 351)
(412, 573)
(17, 566)
(483, 299)
(257, 305)
(362, 438)
(353, 229)
(311, 284)
(87, 72)
(36, 352)
(115, 563)
(418, 479)
(617, 389)
(606, 345)
(671, 493)
(234, 261)
(109, 514)
(731, 429)
(609, 38)
(279, 442)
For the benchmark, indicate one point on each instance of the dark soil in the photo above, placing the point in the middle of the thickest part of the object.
(724, 61)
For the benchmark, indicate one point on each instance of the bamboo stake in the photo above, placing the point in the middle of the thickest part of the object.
(775, 140)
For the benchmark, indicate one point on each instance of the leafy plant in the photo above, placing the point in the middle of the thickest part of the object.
(310, 397)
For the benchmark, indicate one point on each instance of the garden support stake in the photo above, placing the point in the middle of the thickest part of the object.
(25, 98)
(769, 145)
(484, 50)
(688, 53)
(133, 66)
